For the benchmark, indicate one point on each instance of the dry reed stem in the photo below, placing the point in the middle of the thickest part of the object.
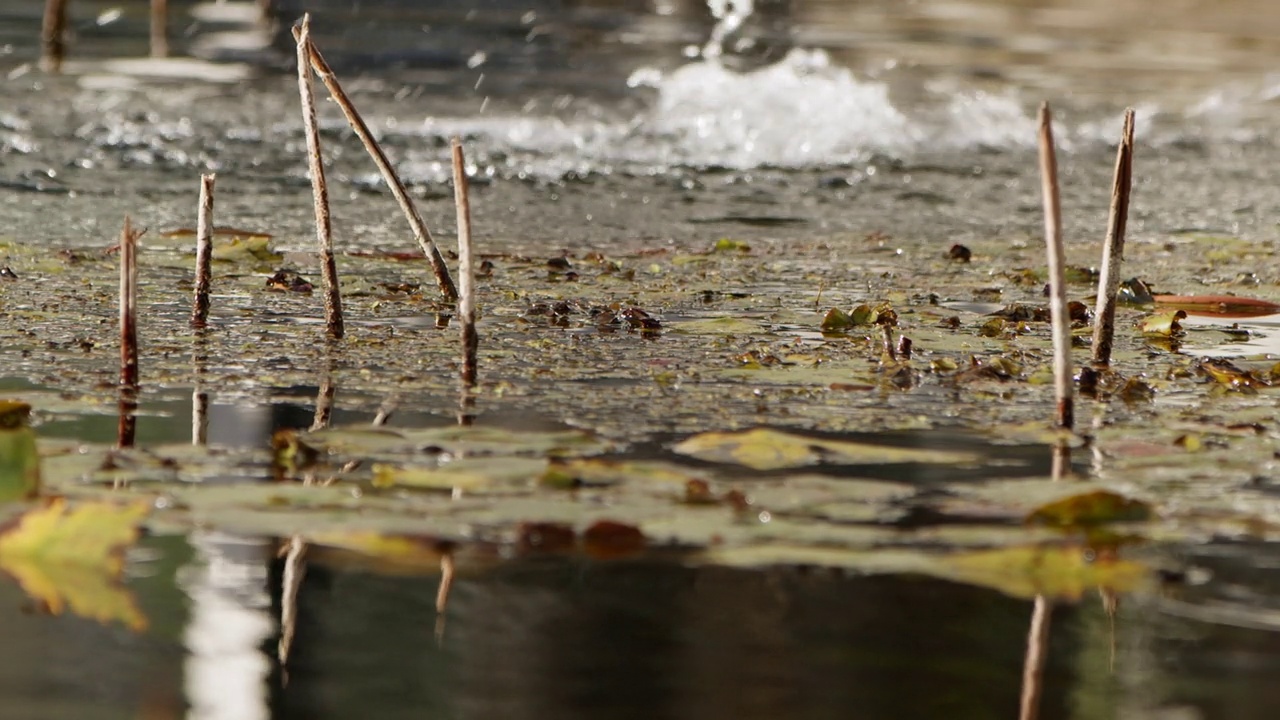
(127, 427)
(159, 28)
(466, 269)
(53, 32)
(1104, 328)
(319, 188)
(1059, 317)
(420, 231)
(204, 253)
(1034, 661)
(129, 305)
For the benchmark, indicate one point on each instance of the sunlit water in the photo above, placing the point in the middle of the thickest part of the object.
(622, 122)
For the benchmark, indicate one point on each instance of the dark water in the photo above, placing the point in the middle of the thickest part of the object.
(595, 127)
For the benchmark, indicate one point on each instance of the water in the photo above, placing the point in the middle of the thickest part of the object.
(856, 134)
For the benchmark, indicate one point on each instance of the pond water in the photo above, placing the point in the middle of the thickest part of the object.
(735, 170)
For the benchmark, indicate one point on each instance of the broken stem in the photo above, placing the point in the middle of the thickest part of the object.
(1113, 250)
(466, 270)
(420, 231)
(53, 35)
(1059, 317)
(319, 188)
(204, 253)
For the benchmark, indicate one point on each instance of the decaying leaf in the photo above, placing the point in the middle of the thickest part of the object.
(71, 558)
(1220, 305)
(1059, 572)
(1164, 324)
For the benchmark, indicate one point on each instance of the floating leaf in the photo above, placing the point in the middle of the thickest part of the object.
(1227, 306)
(607, 539)
(19, 458)
(255, 248)
(730, 245)
(599, 472)
(1090, 509)
(1164, 324)
(71, 558)
(766, 449)
(1225, 373)
(470, 474)
(836, 320)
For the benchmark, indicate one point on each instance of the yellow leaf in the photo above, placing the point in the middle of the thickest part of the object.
(1164, 324)
(70, 559)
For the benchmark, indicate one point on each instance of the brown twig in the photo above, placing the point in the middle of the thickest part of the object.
(53, 32)
(1058, 313)
(129, 305)
(1104, 328)
(466, 270)
(204, 253)
(319, 188)
(126, 430)
(159, 28)
(420, 231)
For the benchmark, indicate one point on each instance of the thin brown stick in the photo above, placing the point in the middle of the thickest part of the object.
(204, 253)
(466, 270)
(1034, 661)
(129, 305)
(420, 231)
(1104, 327)
(442, 595)
(319, 188)
(53, 32)
(159, 28)
(126, 429)
(1059, 317)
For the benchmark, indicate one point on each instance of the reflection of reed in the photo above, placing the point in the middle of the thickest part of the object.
(159, 28)
(295, 569)
(1034, 661)
(442, 595)
(53, 35)
(199, 396)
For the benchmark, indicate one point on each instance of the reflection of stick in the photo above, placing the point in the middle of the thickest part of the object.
(466, 270)
(159, 28)
(1061, 321)
(319, 189)
(204, 252)
(324, 404)
(442, 595)
(199, 397)
(53, 35)
(1113, 251)
(1061, 459)
(1033, 664)
(295, 569)
(420, 231)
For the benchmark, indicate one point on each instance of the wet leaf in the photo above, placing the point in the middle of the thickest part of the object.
(730, 245)
(470, 474)
(1226, 374)
(606, 539)
(70, 559)
(601, 472)
(252, 249)
(19, 458)
(767, 449)
(1090, 509)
